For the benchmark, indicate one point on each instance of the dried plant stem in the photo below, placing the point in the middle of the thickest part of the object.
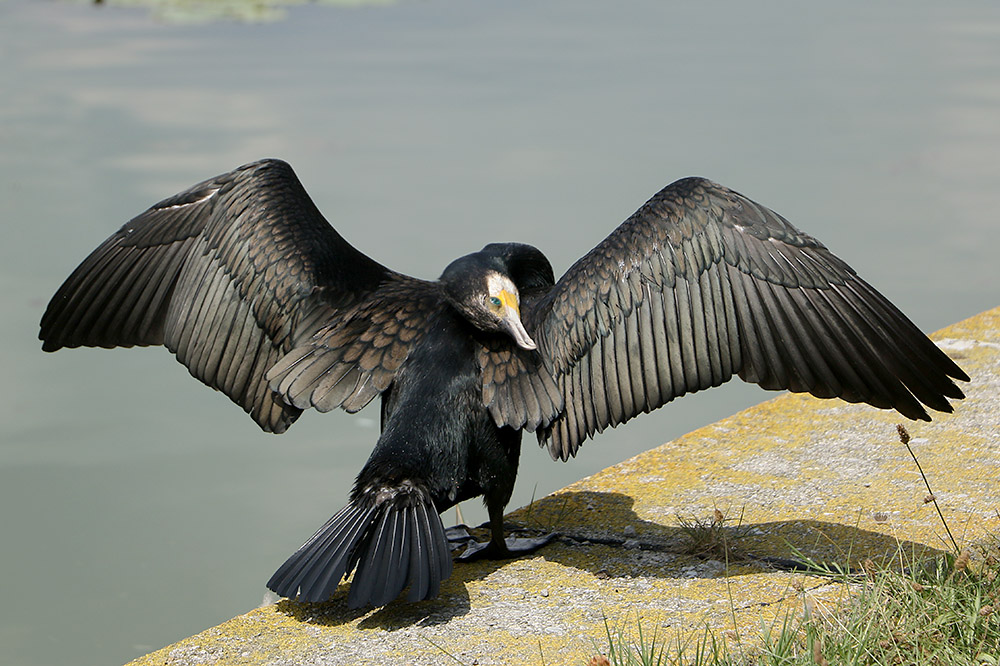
(904, 437)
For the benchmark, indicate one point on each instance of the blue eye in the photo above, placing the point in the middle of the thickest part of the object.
(495, 302)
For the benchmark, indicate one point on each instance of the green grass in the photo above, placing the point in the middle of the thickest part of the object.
(911, 611)
(941, 612)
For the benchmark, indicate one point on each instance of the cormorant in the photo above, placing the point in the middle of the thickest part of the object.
(244, 280)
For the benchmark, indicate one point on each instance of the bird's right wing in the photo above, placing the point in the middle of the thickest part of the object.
(702, 283)
(230, 275)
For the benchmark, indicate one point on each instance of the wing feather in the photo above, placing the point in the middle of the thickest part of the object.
(613, 396)
(702, 283)
(587, 385)
(355, 357)
(647, 355)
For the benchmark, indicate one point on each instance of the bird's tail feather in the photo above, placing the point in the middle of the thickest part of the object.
(394, 538)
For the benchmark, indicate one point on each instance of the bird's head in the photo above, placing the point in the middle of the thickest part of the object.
(482, 287)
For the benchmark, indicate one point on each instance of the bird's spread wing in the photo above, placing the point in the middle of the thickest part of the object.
(702, 283)
(229, 275)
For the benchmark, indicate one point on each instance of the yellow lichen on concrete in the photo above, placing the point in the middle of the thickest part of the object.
(793, 477)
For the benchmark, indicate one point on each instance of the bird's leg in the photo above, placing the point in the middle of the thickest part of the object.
(498, 548)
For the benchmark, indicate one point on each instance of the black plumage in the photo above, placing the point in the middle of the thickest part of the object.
(242, 278)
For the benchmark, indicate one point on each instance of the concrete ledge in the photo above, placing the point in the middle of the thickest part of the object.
(827, 479)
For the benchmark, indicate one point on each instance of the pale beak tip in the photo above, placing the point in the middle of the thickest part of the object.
(517, 331)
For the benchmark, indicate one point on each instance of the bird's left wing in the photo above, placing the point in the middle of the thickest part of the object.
(702, 283)
(355, 356)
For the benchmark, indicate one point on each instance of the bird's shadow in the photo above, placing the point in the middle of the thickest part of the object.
(582, 520)
(452, 602)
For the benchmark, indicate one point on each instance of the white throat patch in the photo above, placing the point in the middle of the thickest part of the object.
(496, 283)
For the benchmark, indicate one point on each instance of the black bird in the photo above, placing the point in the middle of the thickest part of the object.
(244, 280)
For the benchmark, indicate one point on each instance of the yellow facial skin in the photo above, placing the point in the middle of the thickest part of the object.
(507, 301)
(504, 303)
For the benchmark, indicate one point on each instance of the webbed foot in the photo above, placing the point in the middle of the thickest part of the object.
(508, 548)
(458, 536)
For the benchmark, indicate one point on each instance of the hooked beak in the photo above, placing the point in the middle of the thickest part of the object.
(512, 324)
(510, 320)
